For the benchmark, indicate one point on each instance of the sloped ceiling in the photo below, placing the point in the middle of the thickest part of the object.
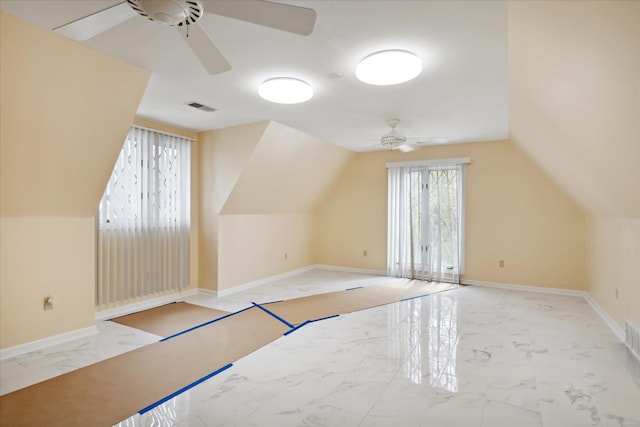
(65, 111)
(574, 83)
(288, 172)
(223, 156)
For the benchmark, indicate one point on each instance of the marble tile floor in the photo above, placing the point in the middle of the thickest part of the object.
(468, 357)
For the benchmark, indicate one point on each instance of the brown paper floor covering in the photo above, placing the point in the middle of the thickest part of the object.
(299, 310)
(107, 392)
(170, 319)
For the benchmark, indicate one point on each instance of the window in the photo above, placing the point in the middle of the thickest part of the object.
(143, 227)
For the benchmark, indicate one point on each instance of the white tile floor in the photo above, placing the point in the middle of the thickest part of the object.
(467, 357)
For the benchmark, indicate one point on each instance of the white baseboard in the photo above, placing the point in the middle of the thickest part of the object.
(42, 343)
(207, 292)
(166, 299)
(256, 283)
(514, 287)
(632, 338)
(349, 269)
(608, 320)
(100, 315)
(612, 324)
(266, 280)
(144, 305)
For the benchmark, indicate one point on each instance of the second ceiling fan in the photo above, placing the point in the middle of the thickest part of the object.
(394, 140)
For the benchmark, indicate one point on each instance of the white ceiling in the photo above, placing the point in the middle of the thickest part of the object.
(461, 94)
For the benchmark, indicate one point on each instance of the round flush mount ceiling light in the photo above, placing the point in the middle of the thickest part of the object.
(389, 67)
(285, 90)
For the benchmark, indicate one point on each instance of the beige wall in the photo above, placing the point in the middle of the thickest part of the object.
(574, 84)
(514, 212)
(352, 218)
(252, 247)
(574, 97)
(259, 185)
(613, 260)
(65, 111)
(223, 155)
(45, 256)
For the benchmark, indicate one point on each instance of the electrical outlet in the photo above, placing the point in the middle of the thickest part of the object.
(47, 304)
(501, 263)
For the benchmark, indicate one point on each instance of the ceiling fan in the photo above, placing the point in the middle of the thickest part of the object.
(186, 13)
(394, 140)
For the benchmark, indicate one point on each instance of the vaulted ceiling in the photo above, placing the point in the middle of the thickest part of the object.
(561, 79)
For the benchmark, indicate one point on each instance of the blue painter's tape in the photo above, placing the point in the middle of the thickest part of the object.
(306, 322)
(357, 287)
(325, 318)
(273, 314)
(271, 302)
(183, 389)
(204, 324)
(419, 296)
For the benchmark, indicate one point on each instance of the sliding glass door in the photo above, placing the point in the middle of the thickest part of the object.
(444, 224)
(425, 222)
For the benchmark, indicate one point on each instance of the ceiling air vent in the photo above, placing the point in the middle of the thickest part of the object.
(201, 107)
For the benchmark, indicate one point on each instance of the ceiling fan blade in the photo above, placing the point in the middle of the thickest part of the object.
(204, 49)
(94, 24)
(293, 19)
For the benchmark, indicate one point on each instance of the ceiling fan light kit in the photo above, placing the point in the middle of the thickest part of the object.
(172, 12)
(389, 67)
(393, 139)
(285, 90)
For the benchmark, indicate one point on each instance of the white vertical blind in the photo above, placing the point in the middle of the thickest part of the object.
(143, 227)
(425, 221)
(404, 225)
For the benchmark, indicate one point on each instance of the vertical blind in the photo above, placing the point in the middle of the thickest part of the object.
(404, 224)
(144, 214)
(425, 221)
